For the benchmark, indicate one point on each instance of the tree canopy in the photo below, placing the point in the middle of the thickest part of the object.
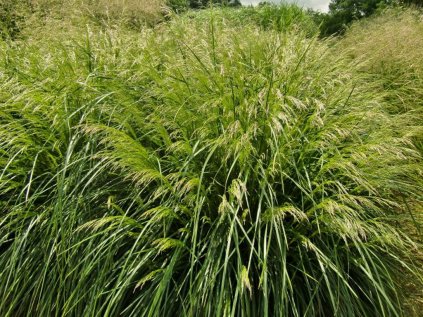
(343, 12)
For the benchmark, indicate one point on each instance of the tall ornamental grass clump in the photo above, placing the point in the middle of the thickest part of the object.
(390, 48)
(198, 170)
(132, 13)
(20, 19)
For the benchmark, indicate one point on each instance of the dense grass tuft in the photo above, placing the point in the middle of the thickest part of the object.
(19, 18)
(389, 48)
(387, 55)
(281, 18)
(200, 169)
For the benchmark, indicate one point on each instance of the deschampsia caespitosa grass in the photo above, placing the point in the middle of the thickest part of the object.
(198, 170)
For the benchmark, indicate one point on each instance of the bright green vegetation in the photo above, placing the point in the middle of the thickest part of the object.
(206, 167)
(343, 12)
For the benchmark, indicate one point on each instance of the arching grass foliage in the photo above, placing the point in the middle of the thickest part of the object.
(198, 170)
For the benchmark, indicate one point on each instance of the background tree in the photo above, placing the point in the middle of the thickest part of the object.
(418, 3)
(343, 12)
(200, 4)
(196, 4)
